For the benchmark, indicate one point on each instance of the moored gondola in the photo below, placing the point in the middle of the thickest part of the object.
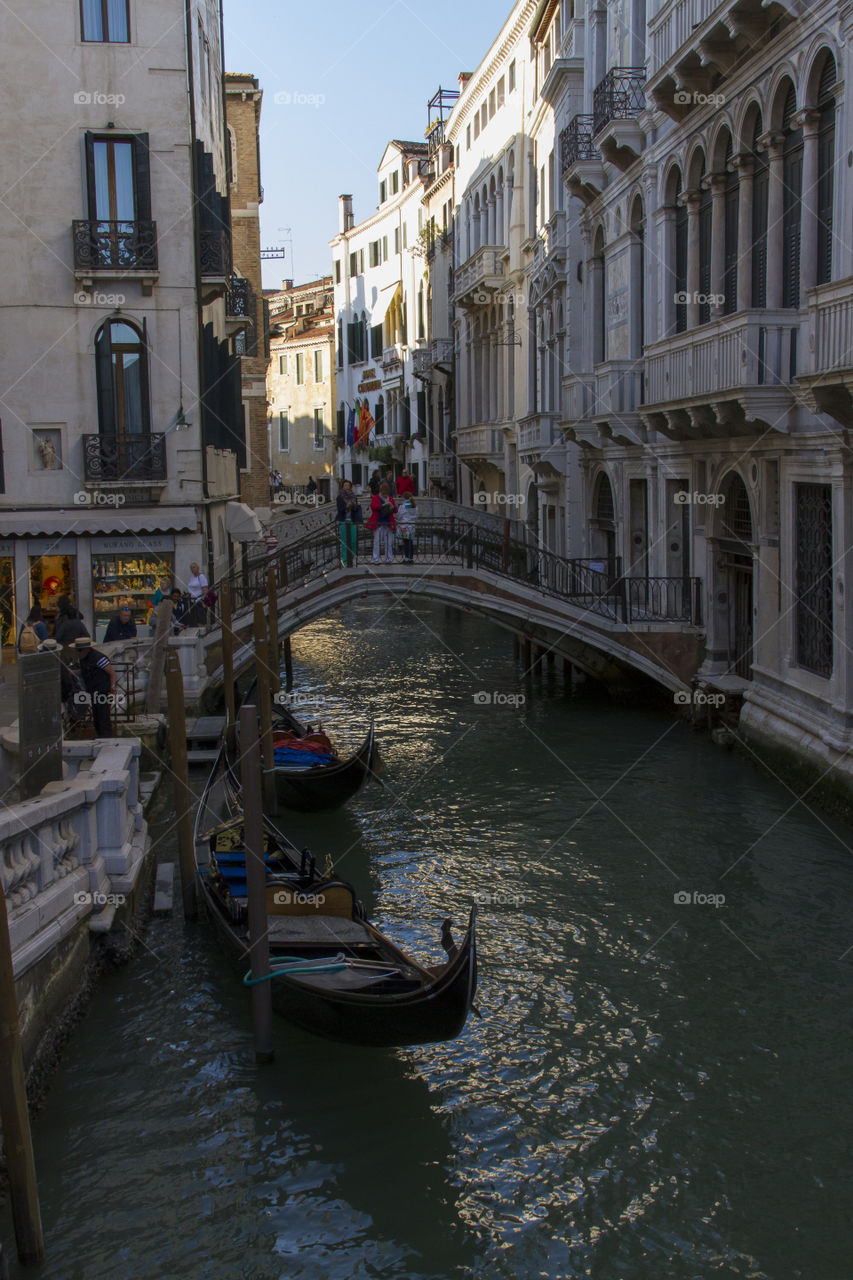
(333, 973)
(309, 773)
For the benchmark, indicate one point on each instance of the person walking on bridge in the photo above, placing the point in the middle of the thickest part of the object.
(349, 517)
(383, 510)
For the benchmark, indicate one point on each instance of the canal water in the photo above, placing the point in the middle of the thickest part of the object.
(657, 1087)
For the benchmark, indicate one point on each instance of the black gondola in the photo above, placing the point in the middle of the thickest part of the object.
(327, 784)
(335, 974)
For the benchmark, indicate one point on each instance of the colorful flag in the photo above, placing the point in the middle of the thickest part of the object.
(366, 424)
(351, 433)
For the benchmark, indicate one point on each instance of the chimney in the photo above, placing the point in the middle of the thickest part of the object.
(346, 221)
(464, 77)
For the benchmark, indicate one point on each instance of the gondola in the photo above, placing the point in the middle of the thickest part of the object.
(314, 777)
(334, 973)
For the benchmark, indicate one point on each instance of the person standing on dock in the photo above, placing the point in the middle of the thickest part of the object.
(99, 681)
(383, 509)
(349, 517)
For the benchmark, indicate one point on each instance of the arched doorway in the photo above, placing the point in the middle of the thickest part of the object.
(532, 513)
(734, 572)
(602, 526)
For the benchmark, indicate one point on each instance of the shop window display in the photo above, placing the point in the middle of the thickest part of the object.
(50, 578)
(130, 579)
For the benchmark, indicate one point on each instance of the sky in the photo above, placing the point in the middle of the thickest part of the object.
(349, 78)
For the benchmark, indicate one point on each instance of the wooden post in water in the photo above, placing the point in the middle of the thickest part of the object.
(256, 883)
(183, 799)
(158, 650)
(227, 651)
(272, 622)
(288, 652)
(13, 1109)
(265, 705)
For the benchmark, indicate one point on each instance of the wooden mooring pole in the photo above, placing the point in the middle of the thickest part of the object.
(272, 622)
(227, 651)
(288, 652)
(256, 883)
(262, 667)
(183, 799)
(14, 1115)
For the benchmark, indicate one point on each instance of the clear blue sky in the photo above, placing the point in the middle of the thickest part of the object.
(356, 75)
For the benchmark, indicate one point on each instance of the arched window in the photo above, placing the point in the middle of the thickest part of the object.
(121, 364)
(732, 214)
(736, 512)
(380, 416)
(825, 169)
(605, 511)
(792, 186)
(706, 222)
(599, 301)
(638, 280)
(760, 197)
(680, 255)
(421, 329)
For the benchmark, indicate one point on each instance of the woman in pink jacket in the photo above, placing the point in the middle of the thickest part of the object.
(383, 509)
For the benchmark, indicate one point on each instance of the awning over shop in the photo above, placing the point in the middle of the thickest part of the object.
(107, 519)
(242, 523)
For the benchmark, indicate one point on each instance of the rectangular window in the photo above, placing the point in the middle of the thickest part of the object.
(484, 114)
(117, 174)
(319, 430)
(283, 432)
(468, 138)
(383, 192)
(511, 76)
(282, 364)
(395, 182)
(105, 21)
(384, 248)
(374, 250)
(353, 264)
(396, 239)
(300, 368)
(501, 92)
(405, 237)
(814, 561)
(491, 104)
(361, 262)
(477, 125)
(376, 342)
(337, 271)
(318, 366)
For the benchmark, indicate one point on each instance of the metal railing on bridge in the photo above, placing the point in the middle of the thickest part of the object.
(596, 586)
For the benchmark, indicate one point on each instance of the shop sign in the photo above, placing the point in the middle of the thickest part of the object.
(52, 546)
(140, 542)
(376, 385)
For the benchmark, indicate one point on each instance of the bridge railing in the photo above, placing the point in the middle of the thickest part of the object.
(597, 586)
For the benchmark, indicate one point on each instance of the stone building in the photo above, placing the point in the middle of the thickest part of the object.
(120, 397)
(301, 388)
(381, 316)
(244, 300)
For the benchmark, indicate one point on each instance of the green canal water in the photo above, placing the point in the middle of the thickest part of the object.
(655, 1088)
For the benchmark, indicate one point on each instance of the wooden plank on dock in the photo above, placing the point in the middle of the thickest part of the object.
(206, 729)
(201, 755)
(164, 887)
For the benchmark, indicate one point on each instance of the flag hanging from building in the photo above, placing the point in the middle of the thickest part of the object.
(366, 424)
(351, 433)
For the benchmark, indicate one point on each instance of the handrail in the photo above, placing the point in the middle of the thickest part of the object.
(598, 586)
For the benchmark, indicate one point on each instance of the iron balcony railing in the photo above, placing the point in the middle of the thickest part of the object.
(240, 299)
(215, 252)
(596, 586)
(125, 246)
(619, 96)
(130, 458)
(576, 142)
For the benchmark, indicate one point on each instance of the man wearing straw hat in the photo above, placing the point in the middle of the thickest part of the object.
(99, 681)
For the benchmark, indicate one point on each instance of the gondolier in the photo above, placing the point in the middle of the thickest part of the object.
(99, 681)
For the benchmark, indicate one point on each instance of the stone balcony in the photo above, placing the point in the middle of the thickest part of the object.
(541, 445)
(617, 397)
(480, 278)
(578, 400)
(580, 159)
(618, 101)
(569, 62)
(485, 442)
(693, 44)
(441, 350)
(826, 382)
(731, 377)
(422, 362)
(391, 362)
(441, 467)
